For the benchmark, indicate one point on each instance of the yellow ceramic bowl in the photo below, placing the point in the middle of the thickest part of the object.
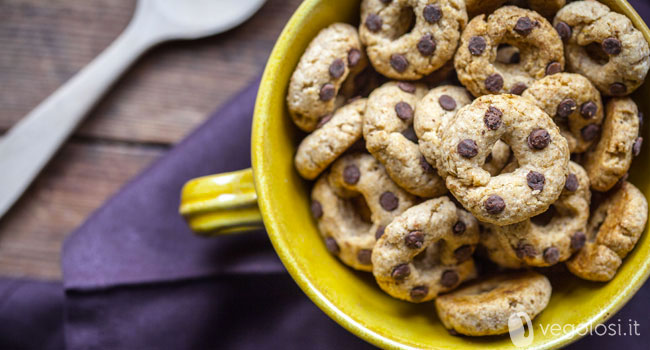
(352, 298)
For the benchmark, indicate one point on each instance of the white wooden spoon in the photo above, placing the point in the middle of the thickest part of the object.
(29, 145)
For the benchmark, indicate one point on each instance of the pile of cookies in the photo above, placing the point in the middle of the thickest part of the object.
(439, 142)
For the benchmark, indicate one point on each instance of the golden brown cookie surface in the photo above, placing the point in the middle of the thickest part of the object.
(399, 53)
(613, 230)
(540, 51)
(604, 46)
(425, 251)
(573, 103)
(320, 148)
(542, 154)
(354, 202)
(611, 158)
(484, 306)
(332, 57)
(388, 131)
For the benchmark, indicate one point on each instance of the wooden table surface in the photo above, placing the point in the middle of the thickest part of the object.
(167, 93)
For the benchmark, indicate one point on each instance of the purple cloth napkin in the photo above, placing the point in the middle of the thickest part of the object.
(134, 276)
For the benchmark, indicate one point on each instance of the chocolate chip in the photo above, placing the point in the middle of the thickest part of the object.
(518, 88)
(494, 82)
(535, 180)
(419, 292)
(354, 56)
(459, 227)
(414, 240)
(374, 22)
(524, 26)
(553, 67)
(494, 204)
(323, 120)
(618, 89)
(563, 30)
(432, 13)
(566, 107)
(477, 45)
(327, 92)
(612, 46)
(316, 209)
(463, 253)
(426, 45)
(380, 232)
(492, 118)
(449, 278)
(389, 201)
(578, 240)
(337, 68)
(351, 174)
(406, 86)
(364, 256)
(447, 102)
(636, 147)
(426, 166)
(525, 250)
(539, 139)
(409, 133)
(588, 109)
(401, 271)
(398, 62)
(571, 183)
(467, 148)
(590, 132)
(332, 246)
(551, 255)
(404, 110)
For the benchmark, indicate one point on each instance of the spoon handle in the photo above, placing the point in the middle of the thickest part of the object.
(29, 145)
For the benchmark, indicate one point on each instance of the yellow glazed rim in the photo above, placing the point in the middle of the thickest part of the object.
(261, 161)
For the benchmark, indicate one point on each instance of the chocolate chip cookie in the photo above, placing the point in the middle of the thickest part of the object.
(334, 55)
(400, 53)
(604, 46)
(540, 51)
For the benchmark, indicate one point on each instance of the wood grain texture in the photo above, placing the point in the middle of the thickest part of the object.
(167, 93)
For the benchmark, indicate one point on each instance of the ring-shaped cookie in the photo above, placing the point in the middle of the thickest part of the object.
(333, 56)
(485, 306)
(612, 232)
(553, 236)
(619, 141)
(573, 103)
(536, 143)
(603, 46)
(353, 204)
(425, 251)
(540, 51)
(399, 53)
(389, 113)
(320, 148)
(432, 114)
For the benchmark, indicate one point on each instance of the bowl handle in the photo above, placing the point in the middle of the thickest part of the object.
(221, 204)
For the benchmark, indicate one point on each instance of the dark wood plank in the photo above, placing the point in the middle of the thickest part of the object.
(76, 182)
(167, 93)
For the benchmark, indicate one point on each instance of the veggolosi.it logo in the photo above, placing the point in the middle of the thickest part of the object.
(518, 331)
(522, 332)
